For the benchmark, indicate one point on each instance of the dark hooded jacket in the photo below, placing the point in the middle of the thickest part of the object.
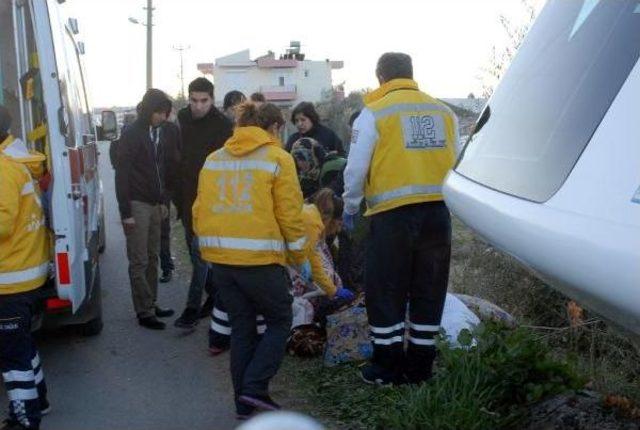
(199, 138)
(142, 165)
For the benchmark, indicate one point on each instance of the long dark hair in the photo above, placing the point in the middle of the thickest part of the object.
(307, 109)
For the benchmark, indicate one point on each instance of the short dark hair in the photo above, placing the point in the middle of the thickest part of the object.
(233, 98)
(5, 120)
(307, 109)
(201, 85)
(394, 65)
(258, 97)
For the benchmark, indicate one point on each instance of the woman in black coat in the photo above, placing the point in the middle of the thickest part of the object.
(307, 121)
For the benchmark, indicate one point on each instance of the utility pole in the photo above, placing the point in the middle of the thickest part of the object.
(149, 43)
(181, 49)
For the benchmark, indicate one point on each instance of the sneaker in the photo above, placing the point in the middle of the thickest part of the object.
(375, 375)
(45, 407)
(244, 412)
(205, 310)
(216, 350)
(166, 276)
(264, 403)
(15, 425)
(152, 323)
(188, 319)
(163, 313)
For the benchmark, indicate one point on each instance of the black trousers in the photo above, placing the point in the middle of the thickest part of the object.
(220, 327)
(247, 292)
(19, 359)
(407, 263)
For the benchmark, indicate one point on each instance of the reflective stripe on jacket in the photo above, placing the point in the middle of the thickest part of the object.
(248, 210)
(24, 246)
(403, 147)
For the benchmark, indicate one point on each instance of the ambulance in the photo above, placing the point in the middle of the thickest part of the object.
(44, 86)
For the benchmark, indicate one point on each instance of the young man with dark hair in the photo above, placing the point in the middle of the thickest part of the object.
(143, 162)
(203, 129)
(401, 150)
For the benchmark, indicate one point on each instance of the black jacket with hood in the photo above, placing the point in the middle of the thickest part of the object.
(199, 138)
(143, 168)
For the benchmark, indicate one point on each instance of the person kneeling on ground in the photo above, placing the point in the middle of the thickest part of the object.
(248, 219)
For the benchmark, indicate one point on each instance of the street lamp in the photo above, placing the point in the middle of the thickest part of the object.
(149, 25)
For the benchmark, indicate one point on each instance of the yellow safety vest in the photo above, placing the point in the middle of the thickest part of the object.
(24, 243)
(248, 211)
(415, 147)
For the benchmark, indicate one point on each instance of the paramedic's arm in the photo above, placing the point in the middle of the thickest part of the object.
(363, 143)
(122, 176)
(287, 200)
(10, 190)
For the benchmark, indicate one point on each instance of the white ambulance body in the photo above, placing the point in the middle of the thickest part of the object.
(43, 84)
(551, 174)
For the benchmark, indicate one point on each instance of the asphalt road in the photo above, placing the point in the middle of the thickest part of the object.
(129, 377)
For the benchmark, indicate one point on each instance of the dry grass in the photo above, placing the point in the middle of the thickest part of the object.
(608, 359)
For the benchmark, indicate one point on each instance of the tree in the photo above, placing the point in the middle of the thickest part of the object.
(335, 110)
(500, 58)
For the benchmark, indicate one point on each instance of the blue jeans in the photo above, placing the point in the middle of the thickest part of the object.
(199, 275)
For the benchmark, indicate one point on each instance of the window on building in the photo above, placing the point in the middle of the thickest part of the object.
(281, 81)
(306, 73)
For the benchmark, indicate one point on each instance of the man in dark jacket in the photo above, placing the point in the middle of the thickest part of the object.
(203, 129)
(307, 121)
(143, 161)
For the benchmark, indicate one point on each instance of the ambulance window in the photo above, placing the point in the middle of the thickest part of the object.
(75, 89)
(567, 73)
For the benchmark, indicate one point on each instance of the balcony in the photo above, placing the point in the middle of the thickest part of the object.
(276, 93)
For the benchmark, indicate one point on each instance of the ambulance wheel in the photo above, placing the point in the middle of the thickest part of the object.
(102, 236)
(93, 327)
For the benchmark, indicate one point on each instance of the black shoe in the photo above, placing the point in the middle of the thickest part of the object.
(188, 319)
(244, 412)
(45, 407)
(163, 313)
(205, 310)
(166, 276)
(375, 375)
(151, 322)
(264, 403)
(15, 425)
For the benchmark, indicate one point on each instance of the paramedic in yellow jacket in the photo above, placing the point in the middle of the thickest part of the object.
(24, 261)
(402, 148)
(248, 220)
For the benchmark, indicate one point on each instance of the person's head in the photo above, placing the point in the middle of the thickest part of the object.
(266, 116)
(200, 97)
(258, 98)
(304, 117)
(5, 122)
(353, 118)
(233, 99)
(394, 65)
(330, 207)
(154, 107)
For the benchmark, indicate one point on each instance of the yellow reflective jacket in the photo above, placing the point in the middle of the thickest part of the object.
(415, 149)
(315, 228)
(248, 211)
(24, 247)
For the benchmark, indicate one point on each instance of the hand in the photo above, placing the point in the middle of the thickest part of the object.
(348, 221)
(129, 225)
(305, 271)
(344, 294)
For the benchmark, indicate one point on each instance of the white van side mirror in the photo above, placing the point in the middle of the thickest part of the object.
(109, 129)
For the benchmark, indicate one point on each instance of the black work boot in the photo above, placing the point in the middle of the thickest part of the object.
(188, 319)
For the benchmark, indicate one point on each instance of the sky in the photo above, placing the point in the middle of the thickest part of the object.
(450, 41)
